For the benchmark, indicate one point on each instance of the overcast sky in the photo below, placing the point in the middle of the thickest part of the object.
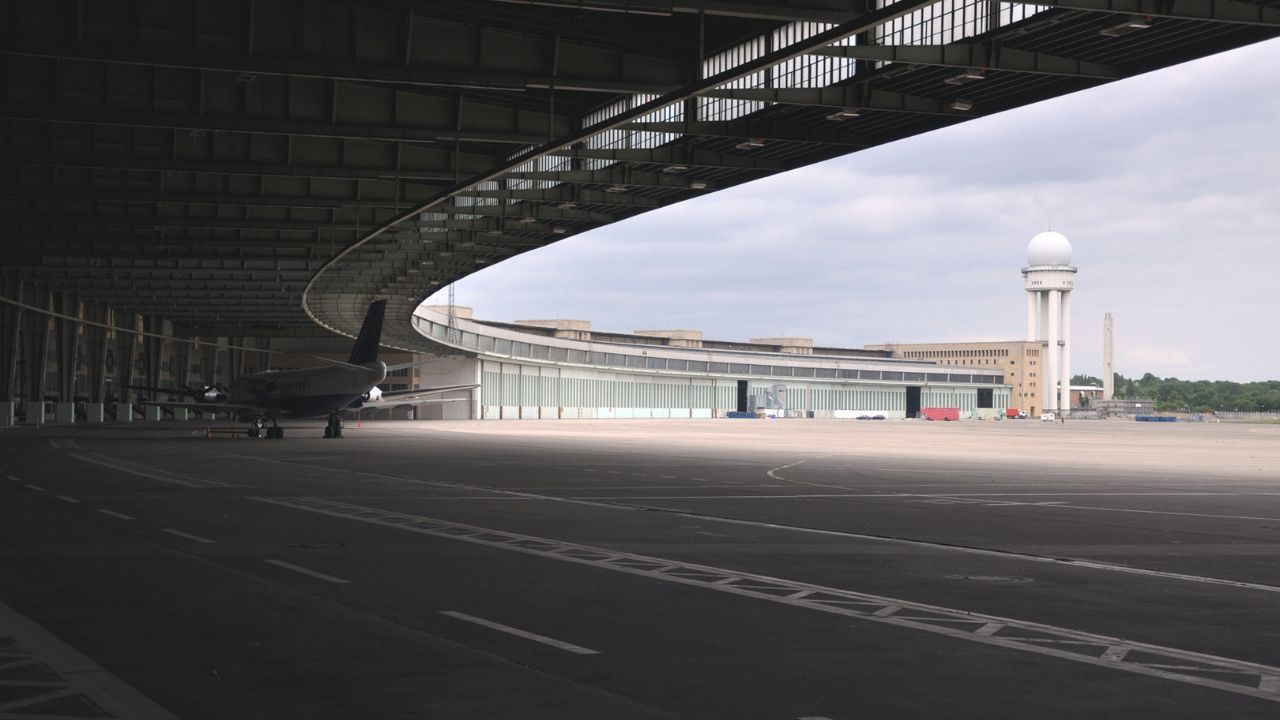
(1168, 186)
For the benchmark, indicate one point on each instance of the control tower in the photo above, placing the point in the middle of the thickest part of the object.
(1049, 279)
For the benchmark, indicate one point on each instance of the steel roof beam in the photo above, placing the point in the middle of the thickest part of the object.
(677, 155)
(439, 136)
(139, 197)
(842, 96)
(404, 77)
(525, 210)
(489, 224)
(224, 167)
(748, 129)
(153, 221)
(621, 176)
(830, 12)
(981, 55)
(1218, 11)
(566, 194)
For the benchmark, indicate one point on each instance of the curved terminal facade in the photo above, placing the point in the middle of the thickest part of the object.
(561, 369)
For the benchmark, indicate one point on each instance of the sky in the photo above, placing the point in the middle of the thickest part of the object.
(1167, 185)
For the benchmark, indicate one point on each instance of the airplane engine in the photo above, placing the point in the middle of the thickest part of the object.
(373, 395)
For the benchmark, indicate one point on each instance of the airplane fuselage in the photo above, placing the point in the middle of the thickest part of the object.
(307, 392)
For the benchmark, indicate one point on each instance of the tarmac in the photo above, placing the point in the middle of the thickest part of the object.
(744, 569)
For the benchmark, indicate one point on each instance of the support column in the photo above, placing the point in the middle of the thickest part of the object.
(1031, 316)
(1043, 333)
(67, 342)
(96, 350)
(125, 323)
(1064, 402)
(10, 320)
(35, 352)
(1049, 372)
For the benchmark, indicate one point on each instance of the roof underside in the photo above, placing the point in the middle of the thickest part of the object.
(268, 167)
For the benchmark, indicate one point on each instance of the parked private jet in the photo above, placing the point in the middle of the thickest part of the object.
(322, 391)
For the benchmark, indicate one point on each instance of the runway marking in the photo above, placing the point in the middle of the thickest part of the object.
(13, 478)
(576, 649)
(64, 673)
(150, 472)
(305, 571)
(115, 514)
(1005, 554)
(37, 488)
(189, 536)
(1239, 676)
(71, 500)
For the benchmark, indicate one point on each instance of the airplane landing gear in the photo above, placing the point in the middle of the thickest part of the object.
(258, 428)
(334, 428)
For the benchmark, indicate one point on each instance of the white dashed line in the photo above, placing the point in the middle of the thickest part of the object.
(37, 488)
(115, 514)
(17, 480)
(71, 500)
(312, 573)
(189, 536)
(578, 650)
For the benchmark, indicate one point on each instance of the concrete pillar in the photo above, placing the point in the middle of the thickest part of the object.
(181, 414)
(1043, 332)
(1064, 401)
(7, 418)
(124, 412)
(67, 344)
(10, 322)
(96, 349)
(1031, 316)
(126, 325)
(1049, 371)
(64, 412)
(35, 352)
(152, 413)
(93, 412)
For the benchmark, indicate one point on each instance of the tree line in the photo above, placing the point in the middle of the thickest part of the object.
(1194, 395)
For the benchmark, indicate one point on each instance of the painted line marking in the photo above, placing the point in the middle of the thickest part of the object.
(37, 488)
(17, 480)
(1246, 678)
(67, 673)
(576, 649)
(189, 536)
(71, 500)
(149, 472)
(115, 514)
(312, 573)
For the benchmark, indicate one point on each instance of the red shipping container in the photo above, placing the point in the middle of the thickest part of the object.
(940, 413)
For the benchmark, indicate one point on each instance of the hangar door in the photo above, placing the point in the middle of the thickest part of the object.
(913, 402)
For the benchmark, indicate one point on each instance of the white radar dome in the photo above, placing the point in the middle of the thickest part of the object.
(1049, 248)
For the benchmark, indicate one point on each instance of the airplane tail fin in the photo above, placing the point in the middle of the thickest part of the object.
(366, 348)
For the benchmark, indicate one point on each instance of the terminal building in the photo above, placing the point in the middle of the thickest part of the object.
(561, 369)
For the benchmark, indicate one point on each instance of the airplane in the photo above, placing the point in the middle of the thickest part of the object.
(311, 392)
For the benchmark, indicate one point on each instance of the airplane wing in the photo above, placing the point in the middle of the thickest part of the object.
(416, 396)
(205, 406)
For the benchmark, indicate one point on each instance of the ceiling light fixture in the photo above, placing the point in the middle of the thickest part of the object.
(844, 114)
(961, 104)
(751, 144)
(567, 205)
(616, 189)
(558, 231)
(674, 169)
(967, 76)
(1133, 24)
(697, 185)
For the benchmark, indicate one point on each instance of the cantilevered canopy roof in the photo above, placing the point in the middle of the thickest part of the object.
(267, 167)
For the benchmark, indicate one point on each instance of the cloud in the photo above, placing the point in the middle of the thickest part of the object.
(1168, 185)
